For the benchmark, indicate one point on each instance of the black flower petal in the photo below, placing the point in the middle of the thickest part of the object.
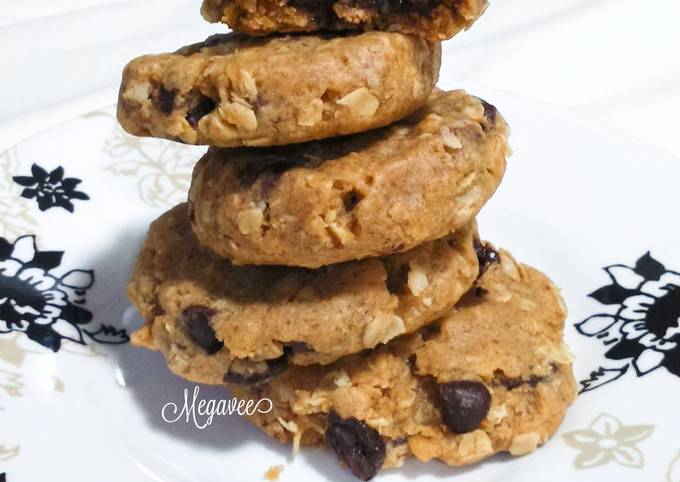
(46, 260)
(70, 183)
(78, 195)
(649, 268)
(29, 193)
(45, 335)
(45, 202)
(76, 314)
(672, 361)
(108, 334)
(6, 249)
(57, 175)
(625, 349)
(26, 181)
(39, 173)
(64, 203)
(612, 294)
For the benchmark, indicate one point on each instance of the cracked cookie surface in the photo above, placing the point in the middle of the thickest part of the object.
(432, 19)
(215, 321)
(232, 90)
(355, 197)
(492, 376)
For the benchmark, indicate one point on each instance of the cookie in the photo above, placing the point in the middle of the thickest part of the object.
(492, 376)
(432, 19)
(213, 320)
(232, 90)
(350, 198)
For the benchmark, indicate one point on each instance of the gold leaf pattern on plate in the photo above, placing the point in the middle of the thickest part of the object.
(673, 474)
(162, 169)
(58, 384)
(15, 211)
(10, 383)
(83, 350)
(11, 352)
(607, 440)
(8, 453)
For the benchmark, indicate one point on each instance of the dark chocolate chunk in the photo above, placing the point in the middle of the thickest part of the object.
(249, 372)
(399, 441)
(197, 322)
(486, 255)
(356, 444)
(203, 107)
(464, 405)
(430, 331)
(267, 169)
(323, 11)
(270, 177)
(412, 363)
(490, 112)
(422, 7)
(512, 383)
(351, 199)
(164, 99)
(296, 347)
(397, 278)
(215, 39)
(320, 10)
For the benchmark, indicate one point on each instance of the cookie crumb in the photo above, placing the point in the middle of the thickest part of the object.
(273, 473)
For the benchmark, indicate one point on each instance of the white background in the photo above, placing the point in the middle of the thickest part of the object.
(616, 61)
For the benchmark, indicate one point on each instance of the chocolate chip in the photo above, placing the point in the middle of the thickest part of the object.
(321, 10)
(203, 107)
(216, 39)
(249, 372)
(411, 360)
(512, 383)
(196, 319)
(164, 99)
(356, 444)
(267, 169)
(351, 199)
(399, 441)
(486, 255)
(464, 405)
(296, 347)
(192, 213)
(490, 111)
(270, 177)
(397, 278)
(430, 331)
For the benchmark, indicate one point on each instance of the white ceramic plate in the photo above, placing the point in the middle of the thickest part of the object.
(79, 404)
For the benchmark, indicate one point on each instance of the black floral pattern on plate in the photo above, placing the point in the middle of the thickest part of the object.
(50, 189)
(46, 307)
(642, 326)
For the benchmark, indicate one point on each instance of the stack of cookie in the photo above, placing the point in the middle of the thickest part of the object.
(328, 257)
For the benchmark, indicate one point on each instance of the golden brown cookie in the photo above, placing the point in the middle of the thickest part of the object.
(432, 19)
(233, 90)
(213, 320)
(492, 376)
(355, 197)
